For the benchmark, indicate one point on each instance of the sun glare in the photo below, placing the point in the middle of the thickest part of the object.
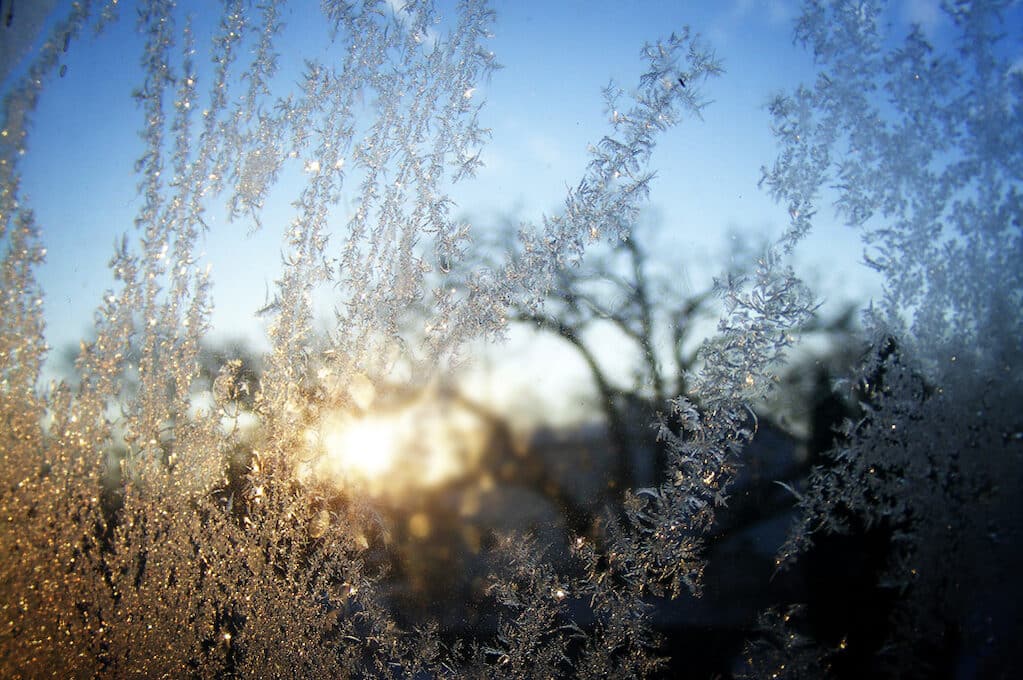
(366, 447)
(388, 452)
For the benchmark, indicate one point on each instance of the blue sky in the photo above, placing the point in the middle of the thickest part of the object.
(544, 108)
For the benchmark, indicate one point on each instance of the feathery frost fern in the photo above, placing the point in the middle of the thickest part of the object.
(127, 552)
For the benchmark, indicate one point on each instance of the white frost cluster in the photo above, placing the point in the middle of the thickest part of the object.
(142, 536)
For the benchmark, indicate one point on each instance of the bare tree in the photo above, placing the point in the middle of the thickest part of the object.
(624, 287)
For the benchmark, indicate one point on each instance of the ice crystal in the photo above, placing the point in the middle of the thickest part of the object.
(919, 142)
(134, 545)
(146, 534)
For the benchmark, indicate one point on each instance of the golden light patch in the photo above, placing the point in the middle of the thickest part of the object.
(419, 525)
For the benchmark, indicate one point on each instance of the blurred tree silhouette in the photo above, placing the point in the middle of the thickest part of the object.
(657, 325)
(214, 552)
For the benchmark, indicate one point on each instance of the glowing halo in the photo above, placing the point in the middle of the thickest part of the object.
(389, 451)
(366, 447)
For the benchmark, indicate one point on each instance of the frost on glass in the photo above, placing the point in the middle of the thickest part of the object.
(148, 532)
(917, 141)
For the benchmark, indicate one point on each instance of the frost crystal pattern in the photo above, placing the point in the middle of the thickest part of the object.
(917, 140)
(161, 517)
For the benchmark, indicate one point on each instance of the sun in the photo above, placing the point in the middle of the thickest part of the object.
(367, 447)
(387, 452)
